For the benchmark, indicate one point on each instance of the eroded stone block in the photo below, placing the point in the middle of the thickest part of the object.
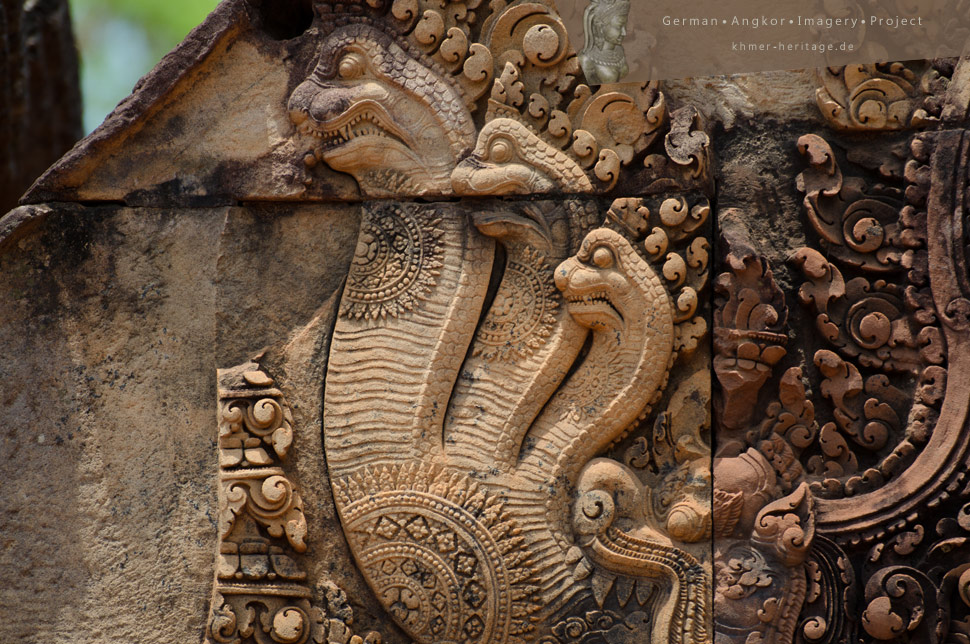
(108, 335)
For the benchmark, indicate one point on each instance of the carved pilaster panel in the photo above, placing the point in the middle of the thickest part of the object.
(261, 592)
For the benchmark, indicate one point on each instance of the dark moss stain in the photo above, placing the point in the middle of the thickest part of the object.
(175, 127)
(69, 236)
(63, 245)
(231, 177)
(176, 193)
(302, 57)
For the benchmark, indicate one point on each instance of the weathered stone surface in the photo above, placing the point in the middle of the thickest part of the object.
(277, 264)
(740, 99)
(108, 507)
(207, 126)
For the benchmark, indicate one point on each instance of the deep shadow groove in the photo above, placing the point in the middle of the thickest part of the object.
(715, 266)
(527, 443)
(494, 281)
(338, 298)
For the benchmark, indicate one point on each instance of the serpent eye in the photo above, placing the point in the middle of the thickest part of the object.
(351, 66)
(500, 151)
(603, 257)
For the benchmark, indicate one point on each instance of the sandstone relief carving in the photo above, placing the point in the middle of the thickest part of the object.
(883, 96)
(472, 417)
(422, 98)
(518, 412)
(261, 592)
(487, 362)
(456, 448)
(763, 516)
(494, 439)
(833, 508)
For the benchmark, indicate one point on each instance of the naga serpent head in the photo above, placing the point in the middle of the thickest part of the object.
(380, 114)
(596, 282)
(509, 158)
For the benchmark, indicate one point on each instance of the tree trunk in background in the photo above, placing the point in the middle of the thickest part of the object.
(40, 96)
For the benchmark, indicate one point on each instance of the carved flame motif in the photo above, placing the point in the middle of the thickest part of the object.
(868, 97)
(884, 96)
(454, 470)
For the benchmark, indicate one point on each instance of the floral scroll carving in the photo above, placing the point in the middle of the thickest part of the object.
(425, 98)
(883, 97)
(839, 504)
(873, 322)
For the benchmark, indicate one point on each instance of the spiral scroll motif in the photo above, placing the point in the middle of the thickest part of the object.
(870, 321)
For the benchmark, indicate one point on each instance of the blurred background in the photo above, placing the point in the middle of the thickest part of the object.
(119, 41)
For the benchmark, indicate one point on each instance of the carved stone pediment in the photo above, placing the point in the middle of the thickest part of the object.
(402, 99)
(415, 334)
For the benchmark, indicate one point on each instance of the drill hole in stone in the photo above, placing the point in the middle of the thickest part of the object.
(284, 19)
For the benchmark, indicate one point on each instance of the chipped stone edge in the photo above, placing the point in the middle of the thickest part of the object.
(150, 94)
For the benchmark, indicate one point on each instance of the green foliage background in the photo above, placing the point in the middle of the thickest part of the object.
(121, 40)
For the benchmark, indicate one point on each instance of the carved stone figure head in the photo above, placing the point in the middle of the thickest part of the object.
(613, 25)
(602, 58)
(595, 283)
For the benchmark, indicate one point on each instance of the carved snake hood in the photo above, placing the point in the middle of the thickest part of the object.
(454, 442)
